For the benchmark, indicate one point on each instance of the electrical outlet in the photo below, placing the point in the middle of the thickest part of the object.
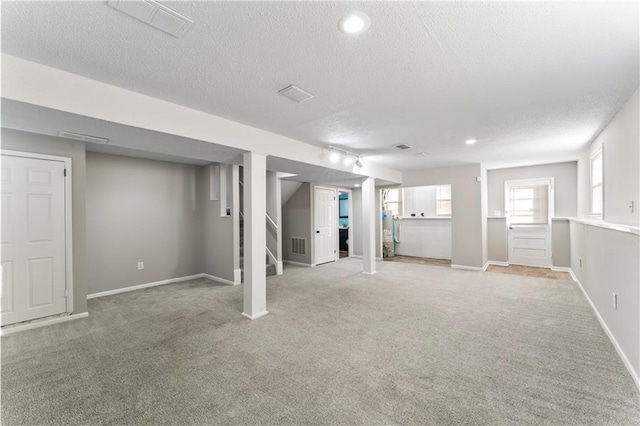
(614, 299)
(140, 266)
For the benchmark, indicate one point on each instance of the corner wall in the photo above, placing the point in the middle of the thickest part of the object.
(296, 222)
(30, 142)
(140, 211)
(467, 229)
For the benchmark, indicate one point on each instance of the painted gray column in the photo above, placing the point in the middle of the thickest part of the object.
(255, 236)
(369, 213)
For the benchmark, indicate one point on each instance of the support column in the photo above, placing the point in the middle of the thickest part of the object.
(369, 212)
(255, 237)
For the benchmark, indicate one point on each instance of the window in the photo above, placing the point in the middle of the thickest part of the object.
(443, 200)
(391, 200)
(529, 205)
(596, 183)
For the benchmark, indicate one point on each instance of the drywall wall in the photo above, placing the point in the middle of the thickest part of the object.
(565, 191)
(467, 229)
(621, 153)
(296, 222)
(561, 244)
(216, 243)
(140, 211)
(30, 142)
(424, 238)
(287, 188)
(605, 261)
(497, 239)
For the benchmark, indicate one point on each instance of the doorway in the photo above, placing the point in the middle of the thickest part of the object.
(345, 224)
(529, 208)
(324, 225)
(36, 236)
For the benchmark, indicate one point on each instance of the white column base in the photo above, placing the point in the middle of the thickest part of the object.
(256, 316)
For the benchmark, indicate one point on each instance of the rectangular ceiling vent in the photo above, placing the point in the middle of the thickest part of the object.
(403, 146)
(153, 13)
(81, 137)
(295, 94)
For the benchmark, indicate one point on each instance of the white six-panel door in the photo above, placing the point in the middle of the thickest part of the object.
(325, 225)
(33, 238)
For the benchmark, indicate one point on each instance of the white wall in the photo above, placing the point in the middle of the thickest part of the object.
(297, 222)
(467, 230)
(621, 140)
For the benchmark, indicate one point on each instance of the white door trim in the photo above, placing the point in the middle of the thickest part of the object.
(550, 181)
(67, 214)
(313, 222)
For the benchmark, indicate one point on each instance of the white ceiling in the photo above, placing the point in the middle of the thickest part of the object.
(531, 81)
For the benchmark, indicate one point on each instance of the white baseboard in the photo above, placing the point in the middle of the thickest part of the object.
(357, 256)
(564, 269)
(468, 268)
(292, 262)
(40, 323)
(237, 276)
(256, 316)
(222, 280)
(369, 273)
(141, 286)
(623, 356)
(494, 262)
(279, 268)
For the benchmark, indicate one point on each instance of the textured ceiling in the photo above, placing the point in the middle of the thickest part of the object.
(531, 81)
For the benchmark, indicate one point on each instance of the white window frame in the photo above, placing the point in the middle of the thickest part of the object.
(594, 156)
(398, 204)
(550, 181)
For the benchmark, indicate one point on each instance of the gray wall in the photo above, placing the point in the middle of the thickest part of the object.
(468, 234)
(30, 142)
(296, 222)
(565, 180)
(610, 265)
(497, 239)
(140, 210)
(561, 244)
(621, 139)
(216, 243)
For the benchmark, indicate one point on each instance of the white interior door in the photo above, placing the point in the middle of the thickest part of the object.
(33, 239)
(529, 207)
(325, 225)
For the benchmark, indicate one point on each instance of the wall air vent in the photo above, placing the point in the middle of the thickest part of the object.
(299, 246)
(153, 13)
(81, 137)
(403, 146)
(295, 94)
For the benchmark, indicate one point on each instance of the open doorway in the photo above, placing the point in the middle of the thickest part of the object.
(345, 224)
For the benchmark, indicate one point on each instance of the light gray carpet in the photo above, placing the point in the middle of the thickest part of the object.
(413, 344)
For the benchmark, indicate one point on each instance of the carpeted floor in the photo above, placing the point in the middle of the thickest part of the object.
(412, 344)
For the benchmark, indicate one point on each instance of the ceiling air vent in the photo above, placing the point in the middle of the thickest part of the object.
(83, 138)
(295, 94)
(403, 146)
(153, 13)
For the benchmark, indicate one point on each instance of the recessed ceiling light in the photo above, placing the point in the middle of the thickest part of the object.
(354, 23)
(471, 141)
(357, 185)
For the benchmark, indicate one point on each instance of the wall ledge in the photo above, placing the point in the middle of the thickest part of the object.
(607, 225)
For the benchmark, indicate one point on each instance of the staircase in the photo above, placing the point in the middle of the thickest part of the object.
(271, 268)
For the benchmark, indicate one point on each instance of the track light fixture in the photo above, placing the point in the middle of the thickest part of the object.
(337, 153)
